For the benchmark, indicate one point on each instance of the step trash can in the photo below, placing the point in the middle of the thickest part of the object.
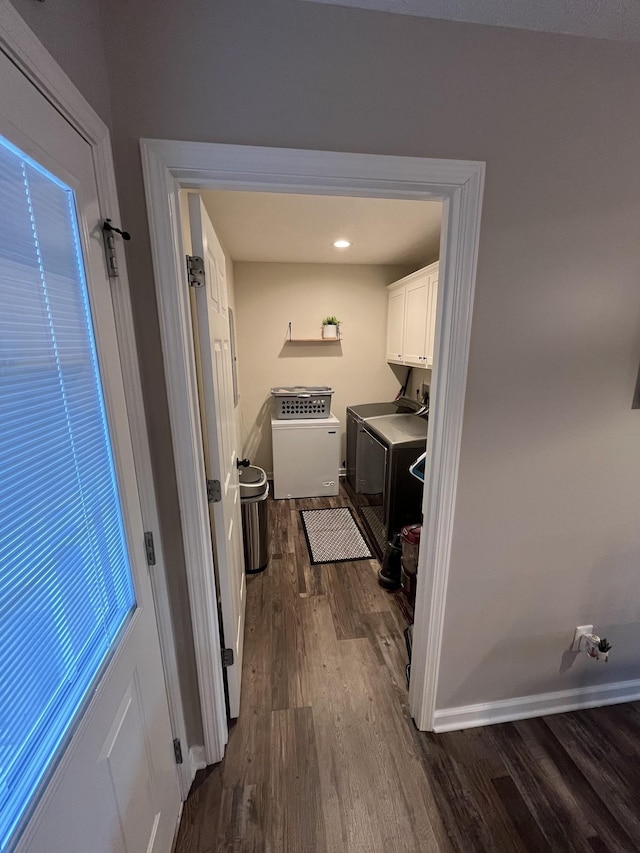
(254, 491)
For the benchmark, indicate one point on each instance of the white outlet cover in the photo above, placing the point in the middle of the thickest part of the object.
(580, 630)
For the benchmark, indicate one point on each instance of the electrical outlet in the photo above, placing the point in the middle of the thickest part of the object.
(580, 630)
(590, 643)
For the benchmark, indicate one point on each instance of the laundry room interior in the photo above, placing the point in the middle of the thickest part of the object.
(294, 379)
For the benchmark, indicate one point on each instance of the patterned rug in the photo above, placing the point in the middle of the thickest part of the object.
(333, 536)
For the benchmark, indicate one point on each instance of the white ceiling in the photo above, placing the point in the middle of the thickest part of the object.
(609, 19)
(284, 228)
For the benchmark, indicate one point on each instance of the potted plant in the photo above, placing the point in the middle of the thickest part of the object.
(330, 327)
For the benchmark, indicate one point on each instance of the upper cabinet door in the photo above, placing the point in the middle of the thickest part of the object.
(411, 318)
(432, 302)
(416, 322)
(395, 325)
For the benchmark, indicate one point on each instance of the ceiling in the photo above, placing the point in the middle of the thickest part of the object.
(287, 228)
(608, 19)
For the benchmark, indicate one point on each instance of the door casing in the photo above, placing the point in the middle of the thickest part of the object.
(171, 165)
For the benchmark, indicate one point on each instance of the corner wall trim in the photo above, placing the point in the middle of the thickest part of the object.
(540, 705)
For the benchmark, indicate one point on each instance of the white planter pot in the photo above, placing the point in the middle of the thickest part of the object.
(329, 331)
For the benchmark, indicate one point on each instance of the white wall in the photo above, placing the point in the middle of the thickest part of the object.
(546, 534)
(268, 297)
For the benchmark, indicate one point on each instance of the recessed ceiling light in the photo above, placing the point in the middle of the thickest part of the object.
(342, 244)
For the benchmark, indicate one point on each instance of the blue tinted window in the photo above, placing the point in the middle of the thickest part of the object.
(65, 581)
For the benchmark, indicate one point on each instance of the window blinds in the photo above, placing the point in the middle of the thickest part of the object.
(65, 582)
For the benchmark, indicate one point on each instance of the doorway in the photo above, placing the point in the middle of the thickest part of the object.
(170, 166)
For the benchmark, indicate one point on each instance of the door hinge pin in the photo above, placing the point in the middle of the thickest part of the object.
(149, 548)
(214, 491)
(177, 750)
(195, 271)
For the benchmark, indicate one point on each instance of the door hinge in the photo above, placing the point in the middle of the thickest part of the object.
(195, 270)
(214, 491)
(177, 750)
(227, 657)
(108, 230)
(149, 548)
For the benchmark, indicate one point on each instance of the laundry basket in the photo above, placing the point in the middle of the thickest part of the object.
(301, 401)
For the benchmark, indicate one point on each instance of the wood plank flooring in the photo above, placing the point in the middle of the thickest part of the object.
(325, 757)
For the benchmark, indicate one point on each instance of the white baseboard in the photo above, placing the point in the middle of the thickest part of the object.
(177, 828)
(524, 707)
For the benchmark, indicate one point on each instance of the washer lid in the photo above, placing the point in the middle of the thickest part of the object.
(394, 407)
(369, 410)
(399, 429)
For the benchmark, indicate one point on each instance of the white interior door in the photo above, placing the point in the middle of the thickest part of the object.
(214, 360)
(107, 781)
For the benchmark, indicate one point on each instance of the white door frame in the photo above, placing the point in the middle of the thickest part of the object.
(169, 165)
(31, 57)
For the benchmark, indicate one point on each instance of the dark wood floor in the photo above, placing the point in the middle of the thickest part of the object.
(325, 757)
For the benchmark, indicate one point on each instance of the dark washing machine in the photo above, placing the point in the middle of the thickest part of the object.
(390, 497)
(356, 419)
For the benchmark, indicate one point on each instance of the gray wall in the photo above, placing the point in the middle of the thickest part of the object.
(71, 30)
(546, 534)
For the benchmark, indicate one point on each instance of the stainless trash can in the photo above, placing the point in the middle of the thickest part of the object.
(254, 491)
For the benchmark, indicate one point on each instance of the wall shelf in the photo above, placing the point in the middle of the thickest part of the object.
(313, 340)
(291, 340)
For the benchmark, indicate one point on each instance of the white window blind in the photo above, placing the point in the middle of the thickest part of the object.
(65, 581)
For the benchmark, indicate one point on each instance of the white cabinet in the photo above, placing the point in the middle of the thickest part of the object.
(411, 318)
(395, 323)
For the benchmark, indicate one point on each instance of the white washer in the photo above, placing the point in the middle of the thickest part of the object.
(306, 457)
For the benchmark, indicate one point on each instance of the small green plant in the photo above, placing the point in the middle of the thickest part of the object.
(604, 645)
(331, 321)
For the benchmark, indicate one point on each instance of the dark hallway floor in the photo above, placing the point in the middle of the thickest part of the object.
(325, 757)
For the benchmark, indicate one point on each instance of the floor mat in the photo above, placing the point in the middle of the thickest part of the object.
(333, 536)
